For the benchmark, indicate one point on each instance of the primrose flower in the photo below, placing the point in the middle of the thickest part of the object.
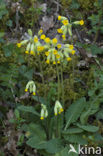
(54, 62)
(69, 59)
(35, 39)
(41, 31)
(63, 36)
(59, 31)
(31, 87)
(73, 52)
(44, 112)
(59, 18)
(47, 39)
(54, 40)
(81, 22)
(59, 46)
(57, 56)
(58, 62)
(42, 37)
(47, 61)
(58, 109)
(26, 52)
(71, 46)
(65, 22)
(18, 45)
(47, 53)
(55, 52)
(40, 48)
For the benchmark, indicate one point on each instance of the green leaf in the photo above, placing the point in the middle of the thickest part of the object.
(95, 49)
(17, 113)
(75, 138)
(35, 142)
(74, 111)
(29, 109)
(73, 131)
(53, 146)
(99, 115)
(88, 128)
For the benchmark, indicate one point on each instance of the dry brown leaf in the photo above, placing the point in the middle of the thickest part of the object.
(47, 23)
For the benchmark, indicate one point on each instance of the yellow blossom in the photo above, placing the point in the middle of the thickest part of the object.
(42, 37)
(71, 46)
(47, 53)
(55, 40)
(58, 62)
(73, 52)
(34, 93)
(47, 61)
(32, 52)
(61, 110)
(59, 46)
(27, 52)
(57, 56)
(47, 40)
(68, 58)
(55, 52)
(41, 31)
(81, 22)
(59, 18)
(40, 48)
(18, 45)
(35, 39)
(26, 90)
(63, 36)
(65, 22)
(42, 118)
(54, 62)
(59, 31)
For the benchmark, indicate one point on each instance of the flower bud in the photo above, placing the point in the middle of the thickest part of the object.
(30, 32)
(58, 109)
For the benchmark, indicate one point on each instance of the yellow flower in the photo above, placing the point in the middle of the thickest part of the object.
(59, 46)
(73, 52)
(31, 52)
(55, 52)
(54, 62)
(40, 48)
(61, 110)
(47, 40)
(35, 39)
(47, 53)
(41, 31)
(26, 52)
(57, 56)
(26, 90)
(81, 22)
(71, 46)
(58, 62)
(65, 22)
(42, 37)
(42, 118)
(55, 40)
(47, 61)
(18, 45)
(59, 31)
(63, 36)
(59, 18)
(55, 114)
(34, 93)
(68, 58)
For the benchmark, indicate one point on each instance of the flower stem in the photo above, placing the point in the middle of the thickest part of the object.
(58, 81)
(62, 84)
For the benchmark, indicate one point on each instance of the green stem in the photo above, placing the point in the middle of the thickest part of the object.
(58, 81)
(41, 70)
(62, 84)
